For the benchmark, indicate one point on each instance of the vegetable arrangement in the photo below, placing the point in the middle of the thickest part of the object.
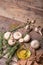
(13, 41)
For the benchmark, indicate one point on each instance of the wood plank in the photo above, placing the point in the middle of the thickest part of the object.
(7, 24)
(22, 9)
(23, 3)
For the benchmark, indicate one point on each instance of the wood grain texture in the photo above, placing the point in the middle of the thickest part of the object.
(22, 9)
(14, 11)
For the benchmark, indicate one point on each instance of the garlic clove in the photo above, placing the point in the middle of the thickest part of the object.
(35, 44)
(21, 40)
(26, 38)
(17, 35)
(7, 35)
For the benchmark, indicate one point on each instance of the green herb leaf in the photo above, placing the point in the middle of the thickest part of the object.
(12, 52)
(1, 44)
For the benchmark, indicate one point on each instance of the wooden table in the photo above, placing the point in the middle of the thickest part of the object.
(21, 10)
(14, 11)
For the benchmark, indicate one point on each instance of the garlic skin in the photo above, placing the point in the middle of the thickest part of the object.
(17, 35)
(26, 38)
(35, 44)
(7, 35)
(21, 40)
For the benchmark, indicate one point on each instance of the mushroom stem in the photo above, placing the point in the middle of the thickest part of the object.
(40, 32)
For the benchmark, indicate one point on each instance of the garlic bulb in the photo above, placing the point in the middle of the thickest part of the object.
(17, 35)
(7, 35)
(35, 44)
(26, 38)
(21, 40)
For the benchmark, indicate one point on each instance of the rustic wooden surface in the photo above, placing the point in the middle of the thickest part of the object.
(12, 11)
(6, 24)
(22, 9)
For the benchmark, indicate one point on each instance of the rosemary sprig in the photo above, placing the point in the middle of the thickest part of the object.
(8, 47)
(12, 52)
(1, 44)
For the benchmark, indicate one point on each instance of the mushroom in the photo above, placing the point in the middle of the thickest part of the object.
(7, 35)
(33, 21)
(26, 27)
(21, 40)
(27, 38)
(11, 41)
(38, 30)
(17, 35)
(35, 44)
